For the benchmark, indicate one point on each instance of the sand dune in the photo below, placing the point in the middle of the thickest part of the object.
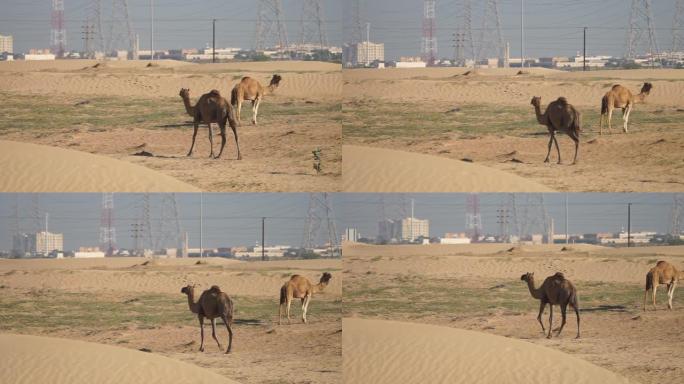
(38, 168)
(377, 351)
(33, 359)
(368, 169)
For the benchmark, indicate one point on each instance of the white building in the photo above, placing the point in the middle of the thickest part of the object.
(412, 228)
(37, 243)
(454, 238)
(351, 235)
(363, 53)
(88, 254)
(256, 252)
(39, 57)
(6, 44)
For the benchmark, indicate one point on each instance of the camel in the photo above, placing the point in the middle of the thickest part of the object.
(299, 287)
(250, 89)
(621, 97)
(212, 303)
(211, 108)
(556, 290)
(559, 117)
(662, 273)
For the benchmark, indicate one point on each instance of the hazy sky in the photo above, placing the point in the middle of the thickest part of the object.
(179, 23)
(235, 219)
(552, 27)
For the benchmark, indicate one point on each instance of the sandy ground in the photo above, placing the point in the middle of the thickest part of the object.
(369, 169)
(32, 359)
(477, 287)
(126, 303)
(378, 351)
(486, 116)
(39, 168)
(119, 109)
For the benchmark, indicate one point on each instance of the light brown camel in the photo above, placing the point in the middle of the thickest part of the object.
(299, 287)
(556, 290)
(212, 303)
(211, 108)
(621, 97)
(559, 117)
(250, 89)
(662, 273)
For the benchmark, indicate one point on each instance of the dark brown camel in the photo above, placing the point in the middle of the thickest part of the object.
(556, 290)
(212, 304)
(560, 116)
(211, 108)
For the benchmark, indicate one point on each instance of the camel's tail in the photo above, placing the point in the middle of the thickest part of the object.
(574, 300)
(234, 97)
(649, 286)
(604, 105)
(283, 294)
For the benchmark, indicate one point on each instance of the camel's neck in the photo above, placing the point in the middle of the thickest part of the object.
(191, 303)
(188, 107)
(536, 293)
(319, 287)
(540, 117)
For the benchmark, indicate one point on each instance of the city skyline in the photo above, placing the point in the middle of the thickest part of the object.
(178, 24)
(551, 29)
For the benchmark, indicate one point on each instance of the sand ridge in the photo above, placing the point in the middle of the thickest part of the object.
(34, 359)
(369, 169)
(381, 351)
(39, 168)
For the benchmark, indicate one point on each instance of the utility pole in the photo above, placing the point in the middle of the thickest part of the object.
(411, 223)
(152, 29)
(584, 56)
(263, 239)
(213, 40)
(522, 33)
(629, 225)
(567, 238)
(368, 61)
(201, 221)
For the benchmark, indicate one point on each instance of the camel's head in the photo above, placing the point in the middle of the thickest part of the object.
(325, 278)
(646, 88)
(536, 101)
(188, 289)
(527, 277)
(275, 81)
(184, 92)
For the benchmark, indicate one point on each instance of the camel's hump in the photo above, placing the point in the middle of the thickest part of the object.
(559, 275)
(215, 289)
(562, 100)
(215, 92)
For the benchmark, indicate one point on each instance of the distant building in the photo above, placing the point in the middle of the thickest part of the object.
(41, 243)
(389, 231)
(6, 44)
(88, 254)
(39, 56)
(351, 235)
(455, 238)
(256, 252)
(363, 53)
(412, 228)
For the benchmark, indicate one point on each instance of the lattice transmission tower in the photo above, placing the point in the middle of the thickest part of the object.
(170, 232)
(58, 33)
(491, 38)
(641, 27)
(473, 217)
(677, 225)
(531, 216)
(428, 47)
(270, 27)
(313, 24)
(320, 211)
(356, 25)
(464, 45)
(678, 27)
(114, 33)
(107, 229)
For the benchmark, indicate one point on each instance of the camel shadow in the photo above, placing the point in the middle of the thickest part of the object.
(181, 125)
(248, 322)
(606, 308)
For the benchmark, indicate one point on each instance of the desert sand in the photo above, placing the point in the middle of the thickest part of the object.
(477, 287)
(136, 304)
(33, 359)
(379, 351)
(120, 109)
(40, 168)
(485, 115)
(368, 169)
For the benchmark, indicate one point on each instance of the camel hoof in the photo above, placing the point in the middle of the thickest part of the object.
(201, 349)
(189, 154)
(217, 157)
(548, 337)
(546, 161)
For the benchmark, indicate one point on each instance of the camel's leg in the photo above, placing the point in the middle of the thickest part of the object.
(542, 305)
(211, 141)
(289, 303)
(237, 143)
(239, 108)
(230, 333)
(280, 313)
(574, 306)
(564, 308)
(255, 108)
(549, 151)
(201, 321)
(625, 117)
(645, 295)
(671, 294)
(213, 332)
(601, 124)
(653, 293)
(555, 141)
(223, 139)
(550, 320)
(194, 134)
(610, 119)
(576, 139)
(305, 307)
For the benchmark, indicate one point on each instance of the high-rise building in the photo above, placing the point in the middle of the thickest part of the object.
(41, 243)
(389, 230)
(363, 53)
(6, 44)
(412, 228)
(351, 235)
